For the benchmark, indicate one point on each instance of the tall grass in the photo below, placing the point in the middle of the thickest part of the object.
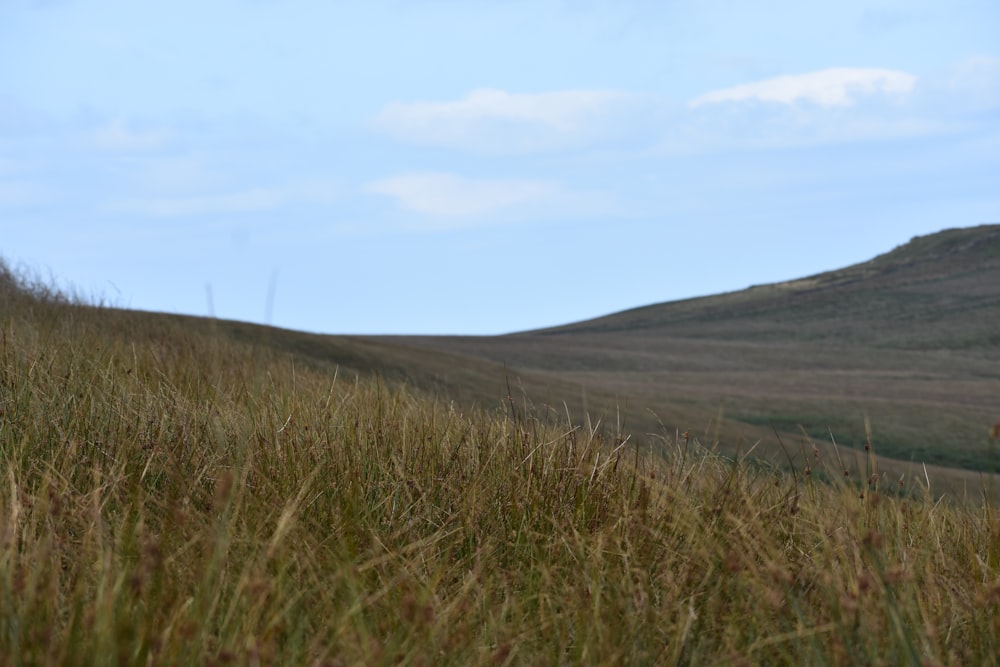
(169, 497)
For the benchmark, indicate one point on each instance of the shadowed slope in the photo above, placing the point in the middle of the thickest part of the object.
(909, 339)
(936, 292)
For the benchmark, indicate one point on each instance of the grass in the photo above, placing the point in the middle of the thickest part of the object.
(171, 495)
(907, 340)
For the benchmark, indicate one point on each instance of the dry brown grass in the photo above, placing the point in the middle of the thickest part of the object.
(170, 496)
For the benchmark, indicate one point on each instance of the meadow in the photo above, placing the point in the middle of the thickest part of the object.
(906, 342)
(174, 493)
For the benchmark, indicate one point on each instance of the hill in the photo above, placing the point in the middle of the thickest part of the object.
(907, 342)
(900, 353)
(181, 491)
(936, 292)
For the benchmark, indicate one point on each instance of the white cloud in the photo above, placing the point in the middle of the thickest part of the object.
(449, 201)
(245, 201)
(833, 87)
(495, 121)
(709, 131)
(449, 195)
(118, 136)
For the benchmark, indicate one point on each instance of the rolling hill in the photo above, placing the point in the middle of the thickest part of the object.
(908, 342)
(189, 491)
(902, 352)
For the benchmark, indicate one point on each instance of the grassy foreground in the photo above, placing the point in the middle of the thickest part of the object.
(170, 497)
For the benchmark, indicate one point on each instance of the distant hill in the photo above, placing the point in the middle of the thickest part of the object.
(940, 291)
(909, 340)
(902, 351)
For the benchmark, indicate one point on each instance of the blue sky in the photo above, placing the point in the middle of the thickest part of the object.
(436, 166)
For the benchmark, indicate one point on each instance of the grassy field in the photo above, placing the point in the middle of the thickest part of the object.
(907, 342)
(180, 491)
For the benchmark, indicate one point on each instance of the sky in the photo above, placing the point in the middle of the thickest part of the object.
(481, 166)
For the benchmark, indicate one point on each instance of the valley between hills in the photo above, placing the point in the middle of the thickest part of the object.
(900, 353)
(184, 490)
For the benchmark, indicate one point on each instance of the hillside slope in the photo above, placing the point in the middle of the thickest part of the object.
(906, 343)
(182, 491)
(909, 340)
(940, 291)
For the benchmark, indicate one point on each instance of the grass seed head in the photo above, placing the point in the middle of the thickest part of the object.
(873, 539)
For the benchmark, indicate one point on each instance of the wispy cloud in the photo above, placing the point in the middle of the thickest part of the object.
(18, 194)
(833, 87)
(447, 200)
(829, 106)
(977, 80)
(449, 195)
(784, 128)
(245, 201)
(118, 136)
(179, 174)
(17, 119)
(490, 120)
(878, 22)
